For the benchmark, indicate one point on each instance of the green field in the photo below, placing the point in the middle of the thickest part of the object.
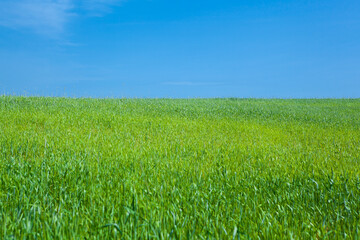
(179, 168)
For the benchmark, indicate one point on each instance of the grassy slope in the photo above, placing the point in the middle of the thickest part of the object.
(218, 168)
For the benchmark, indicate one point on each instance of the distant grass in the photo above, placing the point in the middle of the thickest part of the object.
(179, 169)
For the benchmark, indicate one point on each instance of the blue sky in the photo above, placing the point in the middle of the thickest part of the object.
(180, 48)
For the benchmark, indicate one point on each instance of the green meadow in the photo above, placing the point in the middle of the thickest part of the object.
(179, 168)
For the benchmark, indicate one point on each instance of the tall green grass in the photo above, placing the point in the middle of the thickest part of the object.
(179, 169)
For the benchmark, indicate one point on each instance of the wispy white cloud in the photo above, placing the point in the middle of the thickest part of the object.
(49, 16)
(43, 16)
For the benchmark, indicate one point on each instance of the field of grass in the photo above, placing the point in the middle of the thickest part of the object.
(179, 168)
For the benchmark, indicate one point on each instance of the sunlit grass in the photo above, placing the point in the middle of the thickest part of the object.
(185, 168)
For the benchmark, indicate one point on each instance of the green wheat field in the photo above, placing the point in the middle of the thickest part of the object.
(82, 168)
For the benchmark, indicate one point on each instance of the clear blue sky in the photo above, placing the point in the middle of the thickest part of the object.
(180, 48)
